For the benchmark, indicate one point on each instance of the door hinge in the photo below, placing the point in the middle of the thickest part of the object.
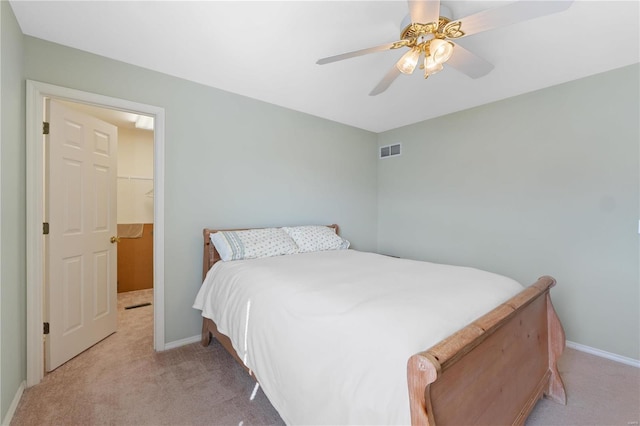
(45, 228)
(45, 128)
(45, 328)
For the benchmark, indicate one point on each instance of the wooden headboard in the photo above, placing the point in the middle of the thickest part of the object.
(211, 255)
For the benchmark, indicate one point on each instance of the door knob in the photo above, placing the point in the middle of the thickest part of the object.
(114, 240)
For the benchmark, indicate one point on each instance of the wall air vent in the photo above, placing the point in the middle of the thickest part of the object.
(390, 150)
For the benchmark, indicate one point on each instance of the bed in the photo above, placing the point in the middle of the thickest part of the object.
(325, 352)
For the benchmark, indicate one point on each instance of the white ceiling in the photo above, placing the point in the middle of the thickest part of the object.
(267, 50)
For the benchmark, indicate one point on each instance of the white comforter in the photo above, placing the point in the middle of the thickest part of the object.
(328, 334)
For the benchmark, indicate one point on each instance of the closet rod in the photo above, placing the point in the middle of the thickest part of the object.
(135, 177)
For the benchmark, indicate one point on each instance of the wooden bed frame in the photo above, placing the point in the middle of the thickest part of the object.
(493, 371)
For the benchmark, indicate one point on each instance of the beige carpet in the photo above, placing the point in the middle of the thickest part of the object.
(599, 392)
(122, 381)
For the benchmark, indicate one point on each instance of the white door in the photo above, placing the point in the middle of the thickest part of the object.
(80, 207)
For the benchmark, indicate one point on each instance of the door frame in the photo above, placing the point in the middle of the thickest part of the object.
(36, 94)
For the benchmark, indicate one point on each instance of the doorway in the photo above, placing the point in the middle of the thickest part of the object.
(37, 93)
(111, 151)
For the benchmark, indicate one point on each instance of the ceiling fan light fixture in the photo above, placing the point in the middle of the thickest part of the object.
(431, 66)
(441, 50)
(409, 60)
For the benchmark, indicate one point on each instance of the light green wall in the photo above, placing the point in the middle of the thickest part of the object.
(545, 183)
(231, 161)
(12, 216)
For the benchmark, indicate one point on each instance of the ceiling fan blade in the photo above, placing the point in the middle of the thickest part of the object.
(386, 81)
(355, 53)
(424, 11)
(469, 63)
(510, 14)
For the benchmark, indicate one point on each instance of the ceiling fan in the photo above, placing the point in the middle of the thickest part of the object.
(428, 35)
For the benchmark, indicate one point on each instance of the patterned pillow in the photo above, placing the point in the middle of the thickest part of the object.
(253, 243)
(316, 238)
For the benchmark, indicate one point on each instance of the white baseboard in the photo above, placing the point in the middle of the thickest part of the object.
(604, 354)
(14, 404)
(182, 342)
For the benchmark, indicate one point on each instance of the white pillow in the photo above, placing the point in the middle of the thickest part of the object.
(316, 238)
(221, 245)
(252, 243)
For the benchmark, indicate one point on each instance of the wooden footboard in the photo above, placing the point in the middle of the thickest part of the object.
(494, 370)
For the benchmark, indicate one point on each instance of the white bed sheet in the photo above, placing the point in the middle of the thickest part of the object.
(328, 334)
